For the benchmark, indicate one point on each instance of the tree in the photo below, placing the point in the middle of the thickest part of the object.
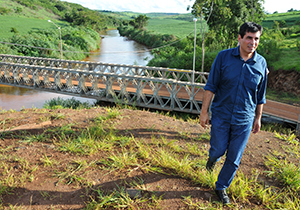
(14, 30)
(229, 15)
(199, 10)
(139, 22)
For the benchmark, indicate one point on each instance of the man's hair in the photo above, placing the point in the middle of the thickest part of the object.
(250, 27)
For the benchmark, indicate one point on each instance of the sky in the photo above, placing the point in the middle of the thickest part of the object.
(171, 6)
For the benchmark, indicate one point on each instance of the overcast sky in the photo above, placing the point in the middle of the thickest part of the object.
(171, 6)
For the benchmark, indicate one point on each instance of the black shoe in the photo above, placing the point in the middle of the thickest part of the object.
(223, 197)
(210, 165)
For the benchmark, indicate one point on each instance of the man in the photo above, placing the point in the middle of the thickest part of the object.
(238, 80)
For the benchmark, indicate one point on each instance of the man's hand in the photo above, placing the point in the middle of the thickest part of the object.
(204, 119)
(256, 126)
(257, 120)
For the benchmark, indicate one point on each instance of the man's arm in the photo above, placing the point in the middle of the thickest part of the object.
(257, 120)
(204, 118)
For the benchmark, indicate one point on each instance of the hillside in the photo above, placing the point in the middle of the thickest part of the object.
(25, 29)
(290, 18)
(109, 158)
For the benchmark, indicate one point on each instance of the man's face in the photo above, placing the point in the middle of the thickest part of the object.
(249, 42)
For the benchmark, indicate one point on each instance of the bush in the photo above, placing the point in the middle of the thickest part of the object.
(269, 49)
(75, 40)
(295, 35)
(72, 103)
(4, 11)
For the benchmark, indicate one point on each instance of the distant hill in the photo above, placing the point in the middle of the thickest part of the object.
(131, 15)
(74, 14)
(290, 19)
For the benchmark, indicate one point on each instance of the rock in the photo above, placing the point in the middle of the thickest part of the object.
(134, 193)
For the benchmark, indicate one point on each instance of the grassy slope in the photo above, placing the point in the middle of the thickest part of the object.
(27, 20)
(176, 24)
(289, 57)
(24, 24)
(290, 18)
(179, 28)
(40, 13)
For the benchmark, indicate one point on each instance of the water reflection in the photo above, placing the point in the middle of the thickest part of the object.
(114, 49)
(120, 50)
(17, 98)
(10, 90)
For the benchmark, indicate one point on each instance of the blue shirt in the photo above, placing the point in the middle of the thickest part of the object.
(238, 86)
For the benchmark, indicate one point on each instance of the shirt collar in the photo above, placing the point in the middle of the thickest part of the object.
(236, 52)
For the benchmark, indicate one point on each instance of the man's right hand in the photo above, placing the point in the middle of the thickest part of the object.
(204, 118)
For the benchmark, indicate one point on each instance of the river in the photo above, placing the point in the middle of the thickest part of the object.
(113, 49)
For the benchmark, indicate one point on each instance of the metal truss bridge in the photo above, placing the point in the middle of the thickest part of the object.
(142, 86)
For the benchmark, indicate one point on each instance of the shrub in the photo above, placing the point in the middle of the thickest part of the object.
(71, 103)
(295, 35)
(4, 11)
(76, 40)
(14, 30)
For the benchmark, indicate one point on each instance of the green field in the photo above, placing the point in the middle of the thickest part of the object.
(290, 18)
(179, 28)
(176, 24)
(24, 25)
(40, 13)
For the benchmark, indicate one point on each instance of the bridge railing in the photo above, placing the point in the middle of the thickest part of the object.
(139, 90)
(166, 73)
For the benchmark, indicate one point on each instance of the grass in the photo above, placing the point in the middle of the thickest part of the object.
(288, 53)
(24, 25)
(40, 13)
(282, 97)
(160, 155)
(60, 103)
(289, 17)
(179, 28)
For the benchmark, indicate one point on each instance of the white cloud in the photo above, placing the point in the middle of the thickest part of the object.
(143, 6)
(281, 6)
(171, 6)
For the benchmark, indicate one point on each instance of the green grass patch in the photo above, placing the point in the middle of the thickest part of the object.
(177, 27)
(289, 17)
(99, 149)
(23, 25)
(282, 97)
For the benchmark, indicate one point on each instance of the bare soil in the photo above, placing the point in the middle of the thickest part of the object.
(285, 81)
(45, 191)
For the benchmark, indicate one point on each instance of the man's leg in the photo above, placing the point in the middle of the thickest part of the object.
(239, 136)
(218, 141)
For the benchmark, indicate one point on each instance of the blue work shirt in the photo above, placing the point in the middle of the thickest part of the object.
(238, 86)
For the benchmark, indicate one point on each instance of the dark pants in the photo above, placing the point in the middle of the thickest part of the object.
(230, 138)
